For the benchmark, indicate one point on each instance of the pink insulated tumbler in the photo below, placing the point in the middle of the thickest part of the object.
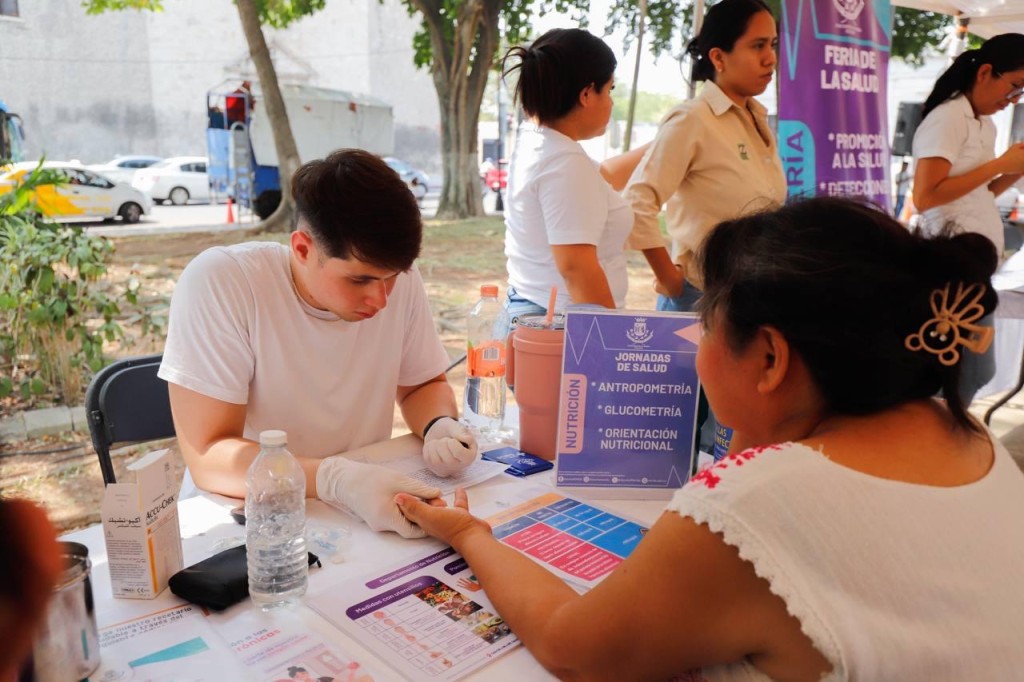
(534, 373)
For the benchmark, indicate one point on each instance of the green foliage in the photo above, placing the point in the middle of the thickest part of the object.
(100, 6)
(54, 318)
(276, 13)
(515, 25)
(281, 13)
(650, 107)
(915, 33)
(670, 27)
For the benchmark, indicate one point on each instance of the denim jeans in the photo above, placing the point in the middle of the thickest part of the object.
(684, 303)
(516, 306)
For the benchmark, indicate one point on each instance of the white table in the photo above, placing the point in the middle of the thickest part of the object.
(206, 521)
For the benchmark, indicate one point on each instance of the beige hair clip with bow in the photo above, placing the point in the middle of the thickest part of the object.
(953, 325)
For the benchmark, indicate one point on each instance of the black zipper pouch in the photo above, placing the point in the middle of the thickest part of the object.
(218, 582)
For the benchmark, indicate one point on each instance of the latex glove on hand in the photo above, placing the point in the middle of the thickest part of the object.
(368, 491)
(449, 447)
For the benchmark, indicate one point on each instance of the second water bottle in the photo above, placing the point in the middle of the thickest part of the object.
(487, 329)
(275, 525)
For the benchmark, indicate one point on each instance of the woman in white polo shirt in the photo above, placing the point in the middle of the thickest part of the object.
(957, 175)
(565, 226)
(714, 157)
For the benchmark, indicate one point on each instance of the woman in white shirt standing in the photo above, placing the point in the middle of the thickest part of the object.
(958, 175)
(565, 226)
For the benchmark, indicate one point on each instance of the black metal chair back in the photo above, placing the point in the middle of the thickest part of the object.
(127, 403)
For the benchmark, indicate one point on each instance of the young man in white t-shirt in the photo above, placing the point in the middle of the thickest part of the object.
(320, 338)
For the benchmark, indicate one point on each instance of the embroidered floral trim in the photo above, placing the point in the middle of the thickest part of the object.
(710, 477)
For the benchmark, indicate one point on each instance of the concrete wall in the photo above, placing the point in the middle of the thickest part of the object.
(130, 82)
(81, 83)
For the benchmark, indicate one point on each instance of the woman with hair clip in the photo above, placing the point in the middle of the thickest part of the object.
(957, 175)
(565, 226)
(859, 536)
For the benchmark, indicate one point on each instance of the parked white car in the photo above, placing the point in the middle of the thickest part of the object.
(82, 195)
(178, 179)
(122, 168)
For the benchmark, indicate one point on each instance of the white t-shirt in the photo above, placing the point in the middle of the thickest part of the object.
(952, 132)
(556, 196)
(239, 332)
(890, 580)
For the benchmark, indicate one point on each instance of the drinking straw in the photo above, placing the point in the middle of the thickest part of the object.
(551, 307)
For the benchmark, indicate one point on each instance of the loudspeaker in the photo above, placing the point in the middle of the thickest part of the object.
(907, 120)
(1017, 127)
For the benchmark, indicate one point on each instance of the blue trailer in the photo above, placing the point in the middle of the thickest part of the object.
(240, 143)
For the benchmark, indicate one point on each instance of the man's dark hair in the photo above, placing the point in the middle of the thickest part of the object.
(356, 206)
(296, 669)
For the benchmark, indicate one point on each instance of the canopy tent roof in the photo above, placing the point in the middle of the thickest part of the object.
(988, 17)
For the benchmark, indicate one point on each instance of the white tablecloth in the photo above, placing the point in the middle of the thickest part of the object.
(206, 526)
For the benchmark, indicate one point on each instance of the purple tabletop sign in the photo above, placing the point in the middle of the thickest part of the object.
(833, 128)
(629, 402)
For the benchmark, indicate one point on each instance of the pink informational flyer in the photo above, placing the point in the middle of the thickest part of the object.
(429, 617)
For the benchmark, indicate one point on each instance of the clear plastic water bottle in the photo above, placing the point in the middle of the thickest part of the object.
(487, 329)
(275, 524)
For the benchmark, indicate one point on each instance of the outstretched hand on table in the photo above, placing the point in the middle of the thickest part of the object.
(369, 492)
(448, 524)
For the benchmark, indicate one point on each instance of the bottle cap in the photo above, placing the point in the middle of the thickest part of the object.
(489, 290)
(273, 437)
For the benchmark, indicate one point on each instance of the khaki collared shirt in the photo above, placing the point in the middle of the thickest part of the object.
(709, 163)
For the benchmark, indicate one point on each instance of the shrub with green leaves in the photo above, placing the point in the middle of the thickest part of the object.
(54, 316)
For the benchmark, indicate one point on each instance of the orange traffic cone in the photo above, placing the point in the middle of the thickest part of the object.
(231, 214)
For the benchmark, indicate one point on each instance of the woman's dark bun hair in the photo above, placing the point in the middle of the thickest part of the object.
(846, 285)
(555, 68)
(724, 24)
(1004, 52)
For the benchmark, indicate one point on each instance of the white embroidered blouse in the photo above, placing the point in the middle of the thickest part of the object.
(890, 580)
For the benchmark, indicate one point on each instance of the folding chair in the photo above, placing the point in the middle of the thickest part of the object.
(127, 403)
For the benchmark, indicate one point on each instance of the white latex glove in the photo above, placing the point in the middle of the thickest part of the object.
(369, 492)
(449, 447)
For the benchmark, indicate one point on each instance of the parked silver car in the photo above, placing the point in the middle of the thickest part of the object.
(178, 179)
(122, 168)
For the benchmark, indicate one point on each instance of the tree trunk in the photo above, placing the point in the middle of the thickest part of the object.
(461, 64)
(284, 142)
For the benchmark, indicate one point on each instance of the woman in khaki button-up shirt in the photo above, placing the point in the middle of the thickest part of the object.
(714, 157)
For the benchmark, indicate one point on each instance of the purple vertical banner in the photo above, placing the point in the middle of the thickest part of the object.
(629, 402)
(833, 71)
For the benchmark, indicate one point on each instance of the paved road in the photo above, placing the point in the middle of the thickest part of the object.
(213, 218)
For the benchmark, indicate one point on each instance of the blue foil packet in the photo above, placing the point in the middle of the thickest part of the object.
(520, 463)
